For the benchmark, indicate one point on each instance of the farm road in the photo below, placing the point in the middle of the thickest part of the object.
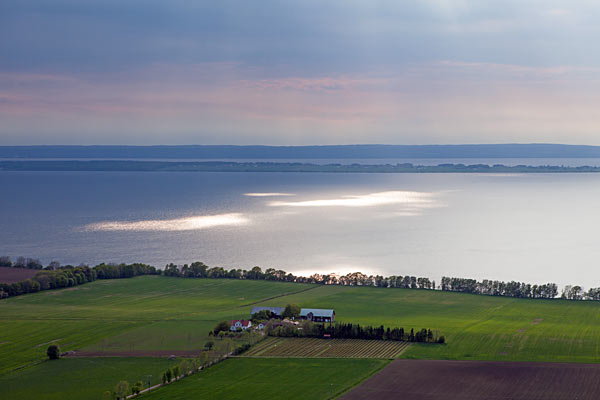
(474, 380)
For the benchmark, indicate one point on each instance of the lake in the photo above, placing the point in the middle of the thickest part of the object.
(530, 227)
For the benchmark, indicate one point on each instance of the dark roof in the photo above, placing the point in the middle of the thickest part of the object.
(274, 310)
(317, 312)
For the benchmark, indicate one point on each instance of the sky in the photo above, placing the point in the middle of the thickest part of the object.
(299, 72)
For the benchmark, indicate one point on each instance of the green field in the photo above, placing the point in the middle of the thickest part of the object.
(80, 378)
(326, 348)
(160, 313)
(123, 313)
(253, 378)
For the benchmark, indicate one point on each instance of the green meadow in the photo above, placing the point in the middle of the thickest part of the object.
(80, 378)
(161, 313)
(144, 313)
(296, 378)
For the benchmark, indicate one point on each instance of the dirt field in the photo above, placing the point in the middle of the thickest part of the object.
(473, 380)
(11, 275)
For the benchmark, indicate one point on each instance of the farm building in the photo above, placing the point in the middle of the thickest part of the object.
(240, 324)
(317, 314)
(275, 311)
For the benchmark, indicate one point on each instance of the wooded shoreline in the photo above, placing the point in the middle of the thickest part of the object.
(231, 166)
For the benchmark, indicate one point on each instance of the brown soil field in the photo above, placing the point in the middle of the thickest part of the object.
(473, 380)
(11, 275)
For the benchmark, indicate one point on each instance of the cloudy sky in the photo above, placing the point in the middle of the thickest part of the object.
(299, 72)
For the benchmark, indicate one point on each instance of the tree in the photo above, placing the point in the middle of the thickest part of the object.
(169, 374)
(222, 326)
(107, 395)
(137, 388)
(209, 345)
(442, 340)
(5, 261)
(176, 372)
(164, 377)
(261, 316)
(291, 311)
(122, 389)
(53, 352)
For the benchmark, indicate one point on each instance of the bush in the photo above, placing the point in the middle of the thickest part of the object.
(442, 340)
(53, 352)
(241, 349)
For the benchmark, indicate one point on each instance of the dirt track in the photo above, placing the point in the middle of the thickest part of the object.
(474, 380)
(139, 353)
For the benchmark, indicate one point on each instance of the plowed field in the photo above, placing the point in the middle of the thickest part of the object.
(479, 380)
(11, 275)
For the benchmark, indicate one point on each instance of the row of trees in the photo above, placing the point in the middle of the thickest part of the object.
(201, 270)
(56, 277)
(352, 331)
(499, 288)
(22, 262)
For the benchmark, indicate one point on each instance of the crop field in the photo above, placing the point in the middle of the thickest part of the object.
(475, 327)
(254, 378)
(140, 313)
(11, 275)
(158, 315)
(467, 380)
(80, 378)
(326, 348)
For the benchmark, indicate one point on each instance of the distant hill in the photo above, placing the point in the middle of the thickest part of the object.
(307, 152)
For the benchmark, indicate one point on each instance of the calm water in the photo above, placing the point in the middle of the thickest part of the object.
(536, 227)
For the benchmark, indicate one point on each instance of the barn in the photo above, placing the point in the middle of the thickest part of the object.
(317, 314)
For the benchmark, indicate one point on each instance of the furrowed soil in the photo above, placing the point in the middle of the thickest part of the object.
(473, 380)
(12, 275)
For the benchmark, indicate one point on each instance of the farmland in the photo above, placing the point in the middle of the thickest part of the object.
(326, 348)
(11, 275)
(80, 378)
(252, 378)
(466, 380)
(155, 315)
(111, 313)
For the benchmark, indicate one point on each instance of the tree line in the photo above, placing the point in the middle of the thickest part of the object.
(55, 276)
(70, 276)
(341, 330)
(451, 284)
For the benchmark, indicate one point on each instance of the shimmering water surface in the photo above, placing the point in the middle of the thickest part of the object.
(530, 227)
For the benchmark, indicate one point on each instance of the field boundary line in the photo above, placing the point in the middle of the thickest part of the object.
(360, 381)
(275, 297)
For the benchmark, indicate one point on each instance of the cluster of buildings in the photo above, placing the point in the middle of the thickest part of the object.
(310, 314)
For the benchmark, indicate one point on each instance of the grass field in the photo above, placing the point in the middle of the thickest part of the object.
(253, 378)
(326, 348)
(475, 327)
(80, 378)
(124, 313)
(161, 313)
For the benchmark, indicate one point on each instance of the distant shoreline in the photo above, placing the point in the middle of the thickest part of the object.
(228, 166)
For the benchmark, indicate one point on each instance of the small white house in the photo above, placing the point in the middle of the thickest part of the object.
(240, 325)
(260, 326)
